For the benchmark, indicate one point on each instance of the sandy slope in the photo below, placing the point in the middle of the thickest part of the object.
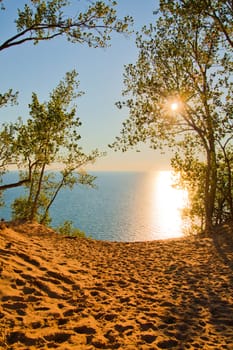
(61, 293)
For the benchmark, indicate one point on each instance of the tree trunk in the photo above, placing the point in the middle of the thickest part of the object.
(210, 188)
(42, 221)
(34, 207)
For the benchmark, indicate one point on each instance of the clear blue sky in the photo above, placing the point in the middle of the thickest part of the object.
(39, 68)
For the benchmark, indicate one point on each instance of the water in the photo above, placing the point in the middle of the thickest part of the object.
(126, 206)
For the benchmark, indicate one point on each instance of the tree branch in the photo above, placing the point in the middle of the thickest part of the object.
(63, 28)
(14, 184)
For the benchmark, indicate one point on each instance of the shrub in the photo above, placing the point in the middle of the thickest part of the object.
(67, 229)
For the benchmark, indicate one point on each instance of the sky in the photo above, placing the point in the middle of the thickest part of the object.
(39, 68)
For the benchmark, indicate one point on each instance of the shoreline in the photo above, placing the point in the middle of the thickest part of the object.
(63, 293)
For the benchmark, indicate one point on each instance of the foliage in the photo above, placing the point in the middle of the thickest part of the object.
(40, 20)
(67, 229)
(191, 177)
(50, 136)
(6, 145)
(192, 66)
(6, 151)
(8, 98)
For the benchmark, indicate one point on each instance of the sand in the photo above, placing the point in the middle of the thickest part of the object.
(63, 293)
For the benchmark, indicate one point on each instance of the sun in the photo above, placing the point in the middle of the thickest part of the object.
(174, 106)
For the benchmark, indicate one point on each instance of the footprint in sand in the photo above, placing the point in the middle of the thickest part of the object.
(15, 337)
(167, 344)
(17, 306)
(84, 330)
(148, 338)
(58, 337)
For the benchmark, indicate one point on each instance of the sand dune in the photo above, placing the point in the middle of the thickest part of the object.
(63, 293)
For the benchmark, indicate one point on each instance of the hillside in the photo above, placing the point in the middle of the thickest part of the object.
(62, 293)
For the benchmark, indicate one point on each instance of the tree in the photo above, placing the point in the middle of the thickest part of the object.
(50, 136)
(189, 70)
(46, 20)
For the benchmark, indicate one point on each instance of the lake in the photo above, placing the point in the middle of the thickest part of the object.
(126, 206)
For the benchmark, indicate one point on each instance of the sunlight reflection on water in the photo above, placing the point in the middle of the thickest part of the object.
(156, 213)
(168, 203)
